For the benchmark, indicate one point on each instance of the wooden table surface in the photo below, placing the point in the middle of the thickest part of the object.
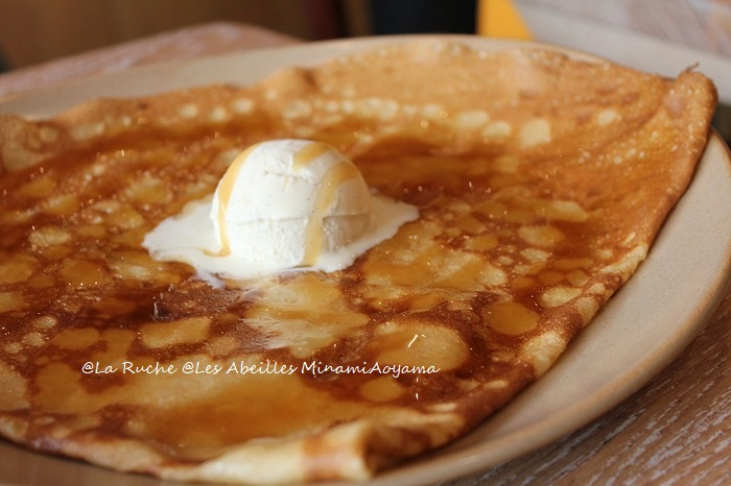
(675, 430)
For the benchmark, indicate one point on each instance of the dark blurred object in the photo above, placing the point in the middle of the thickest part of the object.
(4, 66)
(722, 122)
(325, 19)
(423, 16)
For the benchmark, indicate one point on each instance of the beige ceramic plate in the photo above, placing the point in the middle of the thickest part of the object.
(644, 326)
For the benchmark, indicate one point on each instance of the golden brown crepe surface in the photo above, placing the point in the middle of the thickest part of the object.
(541, 182)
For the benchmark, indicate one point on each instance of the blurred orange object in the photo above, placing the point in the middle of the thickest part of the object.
(500, 18)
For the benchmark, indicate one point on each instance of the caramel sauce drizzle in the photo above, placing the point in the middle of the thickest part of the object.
(225, 189)
(309, 153)
(326, 194)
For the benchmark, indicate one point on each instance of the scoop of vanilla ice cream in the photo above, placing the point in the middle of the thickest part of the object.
(286, 202)
(283, 205)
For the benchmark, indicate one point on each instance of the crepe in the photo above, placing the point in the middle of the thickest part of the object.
(541, 182)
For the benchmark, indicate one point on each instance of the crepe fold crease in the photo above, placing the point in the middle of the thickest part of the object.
(542, 180)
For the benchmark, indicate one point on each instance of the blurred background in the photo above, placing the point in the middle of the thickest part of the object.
(33, 31)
